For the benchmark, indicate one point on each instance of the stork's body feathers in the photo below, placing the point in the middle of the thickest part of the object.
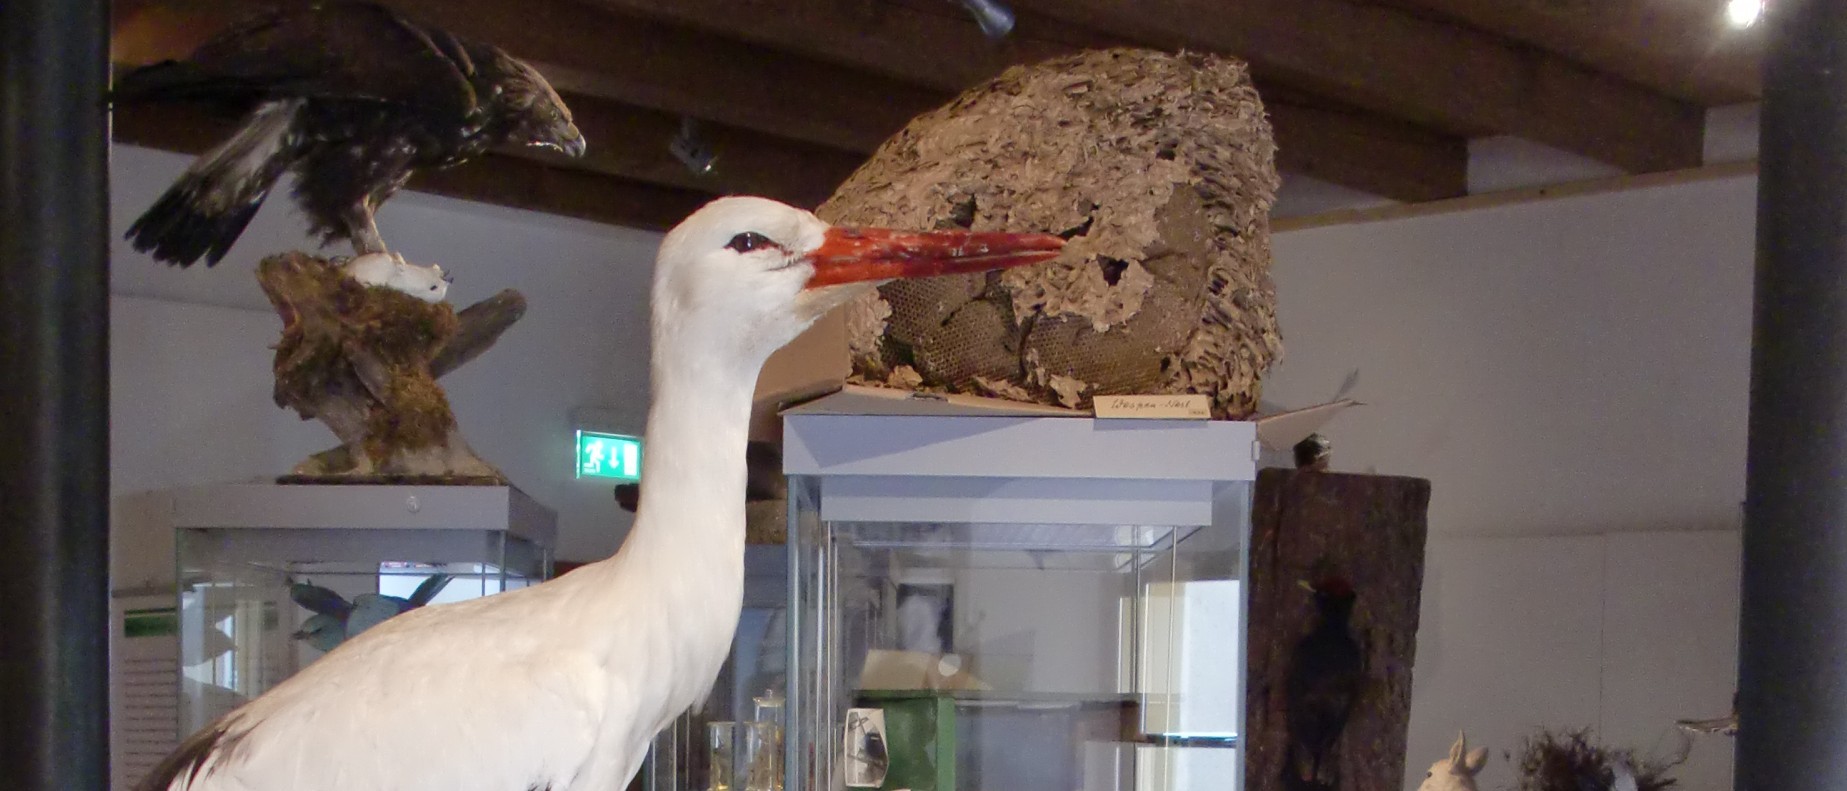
(354, 98)
(563, 685)
(419, 698)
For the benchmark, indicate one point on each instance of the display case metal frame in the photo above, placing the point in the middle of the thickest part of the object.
(852, 459)
(259, 522)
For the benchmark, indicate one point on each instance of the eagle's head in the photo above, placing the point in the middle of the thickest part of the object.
(536, 116)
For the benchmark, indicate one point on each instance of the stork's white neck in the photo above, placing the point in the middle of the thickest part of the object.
(693, 469)
(685, 551)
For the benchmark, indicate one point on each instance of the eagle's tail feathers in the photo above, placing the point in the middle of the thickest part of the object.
(175, 231)
(203, 213)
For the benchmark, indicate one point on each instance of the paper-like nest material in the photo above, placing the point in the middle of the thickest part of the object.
(1160, 170)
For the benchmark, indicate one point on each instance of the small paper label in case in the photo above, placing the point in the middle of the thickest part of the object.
(1183, 406)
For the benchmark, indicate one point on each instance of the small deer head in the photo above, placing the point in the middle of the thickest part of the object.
(1457, 772)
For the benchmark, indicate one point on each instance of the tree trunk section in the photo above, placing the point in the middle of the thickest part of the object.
(1369, 529)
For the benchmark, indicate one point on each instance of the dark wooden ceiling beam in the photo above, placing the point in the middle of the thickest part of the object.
(1432, 72)
(568, 192)
(496, 178)
(1396, 161)
(1679, 48)
(633, 60)
(592, 53)
(942, 49)
(626, 140)
(675, 70)
(632, 142)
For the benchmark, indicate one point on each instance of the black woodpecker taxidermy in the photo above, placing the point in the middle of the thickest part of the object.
(350, 96)
(1326, 676)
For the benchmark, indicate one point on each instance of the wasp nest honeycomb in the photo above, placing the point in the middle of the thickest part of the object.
(1159, 169)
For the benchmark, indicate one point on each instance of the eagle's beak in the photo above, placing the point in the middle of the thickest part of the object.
(567, 141)
(854, 255)
(574, 144)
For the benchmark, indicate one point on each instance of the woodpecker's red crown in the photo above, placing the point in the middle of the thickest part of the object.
(1333, 585)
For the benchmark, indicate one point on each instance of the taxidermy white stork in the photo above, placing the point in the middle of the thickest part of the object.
(563, 685)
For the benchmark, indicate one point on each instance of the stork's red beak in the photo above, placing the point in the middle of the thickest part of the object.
(852, 255)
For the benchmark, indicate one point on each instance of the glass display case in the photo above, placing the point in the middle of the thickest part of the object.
(985, 601)
(271, 577)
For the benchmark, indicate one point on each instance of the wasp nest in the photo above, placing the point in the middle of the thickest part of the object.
(1159, 169)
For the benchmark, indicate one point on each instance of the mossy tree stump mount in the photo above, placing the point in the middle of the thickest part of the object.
(365, 360)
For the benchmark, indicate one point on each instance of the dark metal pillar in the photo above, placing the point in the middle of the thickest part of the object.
(1793, 633)
(54, 396)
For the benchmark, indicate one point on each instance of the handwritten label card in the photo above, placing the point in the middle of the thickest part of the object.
(1186, 406)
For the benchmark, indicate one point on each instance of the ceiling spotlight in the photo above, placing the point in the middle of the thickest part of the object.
(1743, 13)
(995, 19)
(691, 148)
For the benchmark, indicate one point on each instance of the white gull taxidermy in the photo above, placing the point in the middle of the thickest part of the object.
(562, 686)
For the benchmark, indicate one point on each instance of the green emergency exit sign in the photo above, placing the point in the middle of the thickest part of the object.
(602, 455)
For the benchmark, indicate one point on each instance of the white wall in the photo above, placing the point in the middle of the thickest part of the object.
(1567, 366)
(190, 397)
(1572, 376)
(190, 350)
(1623, 633)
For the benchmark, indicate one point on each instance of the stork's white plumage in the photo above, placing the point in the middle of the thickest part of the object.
(563, 685)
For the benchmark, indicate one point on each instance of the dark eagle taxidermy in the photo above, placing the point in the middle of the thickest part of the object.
(350, 96)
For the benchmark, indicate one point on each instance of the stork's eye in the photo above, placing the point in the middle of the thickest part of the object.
(748, 241)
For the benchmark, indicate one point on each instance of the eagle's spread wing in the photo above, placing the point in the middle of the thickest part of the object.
(351, 50)
(298, 76)
(351, 96)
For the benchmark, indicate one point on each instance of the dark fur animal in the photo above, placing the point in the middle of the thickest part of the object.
(1573, 761)
(352, 97)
